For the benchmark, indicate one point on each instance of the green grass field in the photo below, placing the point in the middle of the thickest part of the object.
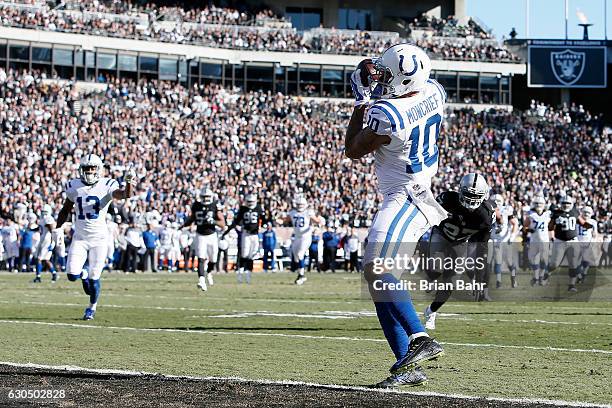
(321, 332)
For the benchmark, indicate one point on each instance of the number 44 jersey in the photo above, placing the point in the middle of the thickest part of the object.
(413, 124)
(91, 204)
(463, 224)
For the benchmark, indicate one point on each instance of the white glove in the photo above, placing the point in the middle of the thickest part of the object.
(360, 91)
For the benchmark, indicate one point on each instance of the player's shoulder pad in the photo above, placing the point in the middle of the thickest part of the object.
(489, 205)
(109, 182)
(439, 88)
(385, 118)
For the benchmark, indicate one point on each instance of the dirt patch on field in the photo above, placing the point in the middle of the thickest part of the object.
(86, 389)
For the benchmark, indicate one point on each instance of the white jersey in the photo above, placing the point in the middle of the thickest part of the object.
(165, 237)
(91, 206)
(586, 234)
(502, 231)
(413, 124)
(301, 222)
(539, 224)
(9, 236)
(46, 237)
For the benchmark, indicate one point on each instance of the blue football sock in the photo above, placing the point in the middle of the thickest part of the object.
(86, 286)
(400, 307)
(393, 330)
(94, 286)
(39, 267)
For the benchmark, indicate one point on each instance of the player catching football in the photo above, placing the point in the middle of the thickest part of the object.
(403, 110)
(92, 195)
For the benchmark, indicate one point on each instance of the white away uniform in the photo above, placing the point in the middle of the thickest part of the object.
(585, 236)
(505, 252)
(539, 239)
(302, 233)
(46, 243)
(410, 159)
(90, 240)
(11, 242)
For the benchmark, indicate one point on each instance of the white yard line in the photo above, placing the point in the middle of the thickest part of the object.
(295, 336)
(527, 401)
(331, 314)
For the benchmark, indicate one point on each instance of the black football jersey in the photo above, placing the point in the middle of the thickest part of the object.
(205, 217)
(250, 219)
(463, 224)
(566, 223)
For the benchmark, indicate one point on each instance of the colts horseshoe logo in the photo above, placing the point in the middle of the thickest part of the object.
(401, 65)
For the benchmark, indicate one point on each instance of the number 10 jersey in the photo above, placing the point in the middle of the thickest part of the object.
(413, 124)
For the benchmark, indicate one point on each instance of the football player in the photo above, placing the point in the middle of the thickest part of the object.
(92, 195)
(46, 244)
(586, 236)
(564, 224)
(10, 239)
(301, 218)
(536, 226)
(402, 109)
(207, 218)
(464, 233)
(250, 217)
(504, 232)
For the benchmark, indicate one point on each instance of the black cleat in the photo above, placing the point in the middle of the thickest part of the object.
(513, 282)
(580, 278)
(533, 282)
(37, 279)
(410, 378)
(572, 288)
(421, 349)
(497, 285)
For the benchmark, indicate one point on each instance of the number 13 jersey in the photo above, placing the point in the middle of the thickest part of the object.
(90, 206)
(413, 123)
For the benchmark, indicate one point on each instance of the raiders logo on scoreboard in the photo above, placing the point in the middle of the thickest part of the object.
(567, 65)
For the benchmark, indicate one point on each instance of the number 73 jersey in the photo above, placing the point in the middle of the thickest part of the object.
(91, 205)
(413, 124)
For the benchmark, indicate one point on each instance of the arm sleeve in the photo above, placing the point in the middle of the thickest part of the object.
(112, 186)
(71, 194)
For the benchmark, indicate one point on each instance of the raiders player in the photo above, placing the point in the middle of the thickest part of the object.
(464, 233)
(250, 217)
(564, 227)
(207, 218)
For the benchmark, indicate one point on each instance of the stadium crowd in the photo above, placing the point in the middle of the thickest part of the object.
(181, 139)
(229, 28)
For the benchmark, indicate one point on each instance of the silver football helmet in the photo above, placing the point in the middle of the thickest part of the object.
(251, 201)
(566, 203)
(90, 169)
(473, 191)
(207, 196)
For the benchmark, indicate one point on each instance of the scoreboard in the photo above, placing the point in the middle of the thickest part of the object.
(566, 64)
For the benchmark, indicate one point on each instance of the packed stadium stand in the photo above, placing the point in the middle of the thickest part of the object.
(182, 139)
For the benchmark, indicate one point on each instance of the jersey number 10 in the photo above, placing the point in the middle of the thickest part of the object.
(416, 165)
